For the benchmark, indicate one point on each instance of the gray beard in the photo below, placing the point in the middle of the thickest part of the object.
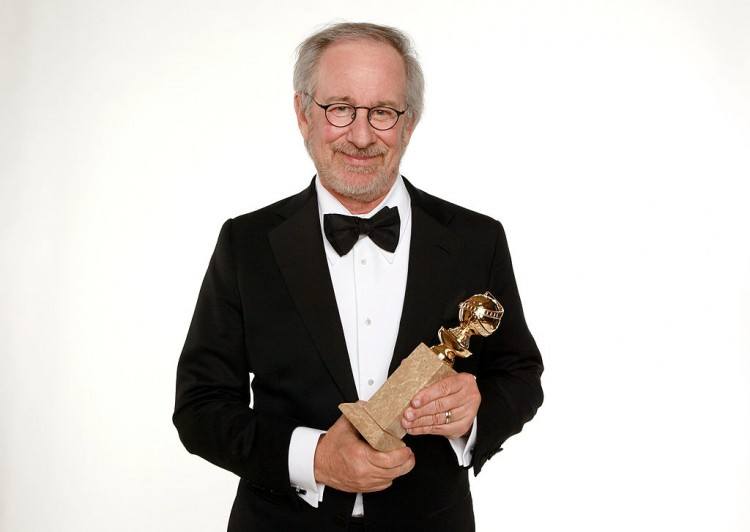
(374, 188)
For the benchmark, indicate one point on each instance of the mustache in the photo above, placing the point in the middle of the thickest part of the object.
(353, 151)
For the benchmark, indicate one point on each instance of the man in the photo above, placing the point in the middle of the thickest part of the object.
(321, 295)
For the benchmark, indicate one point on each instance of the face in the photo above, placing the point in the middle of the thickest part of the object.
(357, 161)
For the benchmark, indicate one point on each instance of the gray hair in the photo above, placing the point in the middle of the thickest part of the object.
(310, 50)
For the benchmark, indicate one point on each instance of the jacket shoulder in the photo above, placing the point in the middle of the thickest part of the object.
(268, 217)
(450, 214)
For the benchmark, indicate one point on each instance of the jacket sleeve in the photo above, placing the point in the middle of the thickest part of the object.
(212, 412)
(510, 366)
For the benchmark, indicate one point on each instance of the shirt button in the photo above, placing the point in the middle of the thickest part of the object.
(370, 382)
(368, 321)
(363, 262)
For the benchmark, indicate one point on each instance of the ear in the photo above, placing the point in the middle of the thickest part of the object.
(302, 121)
(409, 126)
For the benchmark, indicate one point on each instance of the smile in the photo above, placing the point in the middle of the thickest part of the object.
(359, 159)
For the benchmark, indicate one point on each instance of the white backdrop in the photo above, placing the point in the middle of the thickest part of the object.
(610, 138)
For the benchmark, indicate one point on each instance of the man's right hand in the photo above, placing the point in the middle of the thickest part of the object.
(346, 462)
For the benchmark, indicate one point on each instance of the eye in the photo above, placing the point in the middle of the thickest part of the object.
(341, 110)
(383, 113)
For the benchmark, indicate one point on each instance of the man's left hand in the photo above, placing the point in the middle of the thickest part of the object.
(447, 407)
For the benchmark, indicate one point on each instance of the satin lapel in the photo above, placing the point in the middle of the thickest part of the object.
(433, 259)
(298, 249)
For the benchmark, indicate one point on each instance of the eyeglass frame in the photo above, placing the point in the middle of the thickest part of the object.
(354, 115)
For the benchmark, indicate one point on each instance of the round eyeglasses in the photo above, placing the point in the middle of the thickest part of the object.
(341, 114)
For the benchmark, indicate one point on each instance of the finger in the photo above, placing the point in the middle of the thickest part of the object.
(405, 467)
(467, 394)
(447, 386)
(401, 469)
(375, 487)
(391, 459)
(440, 418)
(451, 430)
(439, 406)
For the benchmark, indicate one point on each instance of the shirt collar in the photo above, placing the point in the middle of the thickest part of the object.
(398, 196)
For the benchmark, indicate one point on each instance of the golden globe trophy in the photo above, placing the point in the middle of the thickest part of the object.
(379, 419)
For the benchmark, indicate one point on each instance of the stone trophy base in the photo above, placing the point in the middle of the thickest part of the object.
(379, 419)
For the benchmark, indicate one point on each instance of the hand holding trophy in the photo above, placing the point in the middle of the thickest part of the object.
(379, 419)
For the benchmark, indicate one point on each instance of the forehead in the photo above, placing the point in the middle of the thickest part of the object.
(367, 72)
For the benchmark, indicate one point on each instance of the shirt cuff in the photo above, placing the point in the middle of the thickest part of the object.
(464, 447)
(302, 465)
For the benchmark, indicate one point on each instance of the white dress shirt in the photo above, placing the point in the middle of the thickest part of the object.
(369, 284)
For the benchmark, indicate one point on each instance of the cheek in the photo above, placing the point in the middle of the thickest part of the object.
(327, 137)
(327, 132)
(320, 144)
(396, 139)
(394, 144)
(323, 134)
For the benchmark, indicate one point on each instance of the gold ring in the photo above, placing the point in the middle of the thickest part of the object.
(448, 415)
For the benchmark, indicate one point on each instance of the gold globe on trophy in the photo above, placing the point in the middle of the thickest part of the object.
(379, 419)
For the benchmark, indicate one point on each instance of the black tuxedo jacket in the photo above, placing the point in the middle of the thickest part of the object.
(267, 306)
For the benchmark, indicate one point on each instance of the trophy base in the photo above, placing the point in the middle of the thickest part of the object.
(368, 428)
(379, 419)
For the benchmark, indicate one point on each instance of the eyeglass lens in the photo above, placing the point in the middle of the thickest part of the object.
(342, 115)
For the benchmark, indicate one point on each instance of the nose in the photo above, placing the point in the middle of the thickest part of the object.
(361, 133)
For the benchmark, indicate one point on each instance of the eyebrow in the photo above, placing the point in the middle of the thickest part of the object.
(347, 99)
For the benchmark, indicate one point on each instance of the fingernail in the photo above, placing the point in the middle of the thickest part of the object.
(416, 403)
(409, 415)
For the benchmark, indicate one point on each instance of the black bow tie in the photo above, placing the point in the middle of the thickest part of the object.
(343, 231)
